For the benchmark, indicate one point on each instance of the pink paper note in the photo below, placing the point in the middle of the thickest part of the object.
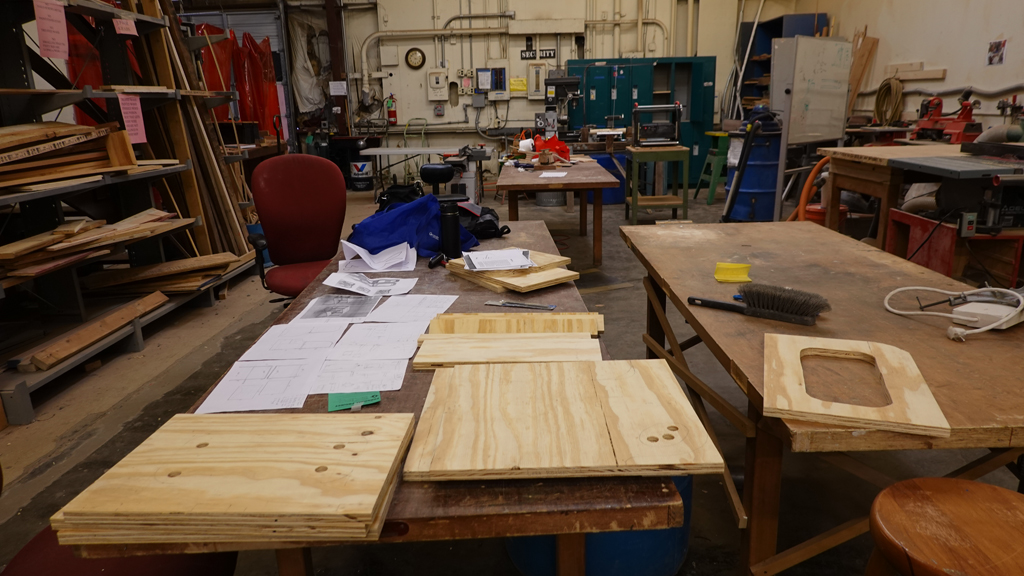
(125, 27)
(131, 112)
(53, 29)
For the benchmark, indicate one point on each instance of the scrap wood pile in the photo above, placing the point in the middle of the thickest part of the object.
(79, 240)
(547, 272)
(175, 277)
(187, 130)
(47, 155)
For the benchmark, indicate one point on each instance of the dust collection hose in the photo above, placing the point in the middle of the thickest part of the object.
(753, 129)
(808, 192)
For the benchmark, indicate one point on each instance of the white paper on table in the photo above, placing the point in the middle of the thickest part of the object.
(370, 286)
(381, 261)
(498, 260)
(341, 376)
(394, 341)
(361, 265)
(411, 308)
(267, 385)
(335, 308)
(296, 342)
(553, 174)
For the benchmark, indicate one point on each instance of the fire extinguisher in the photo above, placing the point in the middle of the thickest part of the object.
(391, 104)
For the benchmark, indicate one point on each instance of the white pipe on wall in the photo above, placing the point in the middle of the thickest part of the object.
(689, 28)
(672, 27)
(616, 12)
(640, 26)
(664, 29)
(364, 60)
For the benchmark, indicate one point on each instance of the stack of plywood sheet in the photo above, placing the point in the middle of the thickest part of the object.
(246, 478)
(559, 419)
(46, 155)
(176, 276)
(79, 240)
(518, 323)
(547, 272)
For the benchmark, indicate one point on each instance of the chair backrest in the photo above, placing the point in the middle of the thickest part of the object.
(437, 174)
(301, 203)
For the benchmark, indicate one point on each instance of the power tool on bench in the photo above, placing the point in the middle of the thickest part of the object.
(934, 125)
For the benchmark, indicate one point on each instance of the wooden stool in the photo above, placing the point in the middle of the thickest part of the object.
(713, 164)
(943, 527)
(672, 156)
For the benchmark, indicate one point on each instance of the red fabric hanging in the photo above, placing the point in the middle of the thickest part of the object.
(84, 65)
(247, 81)
(217, 66)
(271, 107)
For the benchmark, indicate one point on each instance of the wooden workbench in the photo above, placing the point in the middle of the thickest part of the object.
(458, 510)
(976, 383)
(580, 178)
(865, 169)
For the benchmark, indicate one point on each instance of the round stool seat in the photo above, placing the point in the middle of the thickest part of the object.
(944, 527)
(437, 173)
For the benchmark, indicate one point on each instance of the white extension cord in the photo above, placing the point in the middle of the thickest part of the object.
(955, 332)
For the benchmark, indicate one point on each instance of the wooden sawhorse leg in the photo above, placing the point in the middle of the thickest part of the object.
(294, 562)
(571, 555)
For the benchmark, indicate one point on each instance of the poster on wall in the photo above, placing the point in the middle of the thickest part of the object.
(996, 52)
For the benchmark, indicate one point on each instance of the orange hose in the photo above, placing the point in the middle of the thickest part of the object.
(808, 192)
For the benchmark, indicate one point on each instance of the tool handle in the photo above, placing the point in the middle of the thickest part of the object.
(717, 304)
(529, 306)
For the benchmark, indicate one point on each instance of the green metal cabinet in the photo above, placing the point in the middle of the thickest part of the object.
(611, 87)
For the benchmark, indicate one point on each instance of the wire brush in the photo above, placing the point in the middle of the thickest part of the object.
(889, 101)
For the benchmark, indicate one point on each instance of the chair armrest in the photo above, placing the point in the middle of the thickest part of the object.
(259, 242)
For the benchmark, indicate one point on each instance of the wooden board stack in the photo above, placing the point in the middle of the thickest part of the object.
(442, 350)
(559, 419)
(80, 240)
(176, 276)
(547, 272)
(246, 477)
(518, 323)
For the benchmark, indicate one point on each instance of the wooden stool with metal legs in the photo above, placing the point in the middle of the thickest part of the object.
(944, 526)
(713, 164)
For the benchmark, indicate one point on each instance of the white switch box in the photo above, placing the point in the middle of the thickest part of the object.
(437, 84)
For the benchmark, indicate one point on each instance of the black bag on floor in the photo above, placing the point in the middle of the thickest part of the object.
(481, 221)
(398, 194)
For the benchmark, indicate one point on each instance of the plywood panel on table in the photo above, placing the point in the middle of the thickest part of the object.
(975, 383)
(911, 408)
(880, 155)
(516, 323)
(564, 419)
(456, 349)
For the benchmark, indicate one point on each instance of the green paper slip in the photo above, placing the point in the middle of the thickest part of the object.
(337, 402)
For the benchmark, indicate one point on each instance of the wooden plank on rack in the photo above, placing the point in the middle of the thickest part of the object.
(55, 184)
(56, 264)
(115, 277)
(22, 247)
(864, 51)
(21, 154)
(53, 162)
(73, 227)
(92, 332)
(22, 134)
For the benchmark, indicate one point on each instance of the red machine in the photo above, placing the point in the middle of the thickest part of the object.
(933, 125)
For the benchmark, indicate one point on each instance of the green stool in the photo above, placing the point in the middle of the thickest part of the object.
(713, 164)
(672, 156)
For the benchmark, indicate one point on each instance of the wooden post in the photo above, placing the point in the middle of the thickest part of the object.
(294, 562)
(571, 550)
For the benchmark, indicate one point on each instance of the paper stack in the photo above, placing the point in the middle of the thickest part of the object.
(246, 478)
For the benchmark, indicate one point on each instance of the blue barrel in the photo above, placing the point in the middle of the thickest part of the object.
(611, 195)
(637, 553)
(755, 200)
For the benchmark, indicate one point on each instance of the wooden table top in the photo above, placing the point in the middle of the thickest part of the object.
(880, 155)
(451, 510)
(581, 176)
(976, 383)
(642, 149)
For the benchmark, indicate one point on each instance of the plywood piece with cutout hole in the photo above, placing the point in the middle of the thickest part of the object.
(543, 261)
(911, 409)
(457, 349)
(517, 323)
(560, 419)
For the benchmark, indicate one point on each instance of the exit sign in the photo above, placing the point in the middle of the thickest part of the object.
(549, 53)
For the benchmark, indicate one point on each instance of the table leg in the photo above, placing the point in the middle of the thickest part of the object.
(889, 200)
(598, 225)
(674, 166)
(571, 555)
(583, 212)
(762, 486)
(686, 186)
(513, 205)
(831, 193)
(294, 562)
(634, 196)
(654, 327)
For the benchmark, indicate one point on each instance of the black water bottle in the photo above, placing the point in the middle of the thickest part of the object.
(451, 245)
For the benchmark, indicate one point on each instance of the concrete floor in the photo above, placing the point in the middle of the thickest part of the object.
(87, 422)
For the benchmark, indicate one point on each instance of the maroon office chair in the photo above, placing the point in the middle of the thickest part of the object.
(301, 203)
(43, 556)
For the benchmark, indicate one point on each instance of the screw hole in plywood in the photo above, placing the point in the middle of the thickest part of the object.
(367, 432)
(339, 446)
(321, 469)
(845, 377)
(202, 445)
(174, 474)
(673, 428)
(652, 438)
(668, 436)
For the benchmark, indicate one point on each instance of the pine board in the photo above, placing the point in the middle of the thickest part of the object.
(514, 323)
(77, 226)
(124, 276)
(51, 265)
(478, 280)
(22, 247)
(535, 280)
(563, 419)
(504, 339)
(22, 134)
(88, 334)
(473, 349)
(53, 162)
(912, 409)
(55, 184)
(28, 152)
(543, 261)
(222, 477)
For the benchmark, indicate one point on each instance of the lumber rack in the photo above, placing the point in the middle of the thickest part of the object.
(107, 179)
(16, 387)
